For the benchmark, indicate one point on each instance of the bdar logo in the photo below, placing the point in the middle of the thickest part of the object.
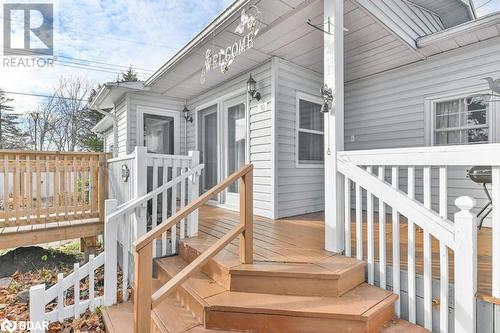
(7, 326)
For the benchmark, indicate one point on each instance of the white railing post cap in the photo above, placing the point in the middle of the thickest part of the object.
(465, 203)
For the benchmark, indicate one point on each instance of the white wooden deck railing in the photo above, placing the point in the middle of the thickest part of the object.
(368, 170)
(173, 180)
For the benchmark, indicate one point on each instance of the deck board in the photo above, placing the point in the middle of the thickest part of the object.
(301, 239)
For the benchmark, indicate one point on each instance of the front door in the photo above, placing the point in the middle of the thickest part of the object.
(235, 135)
(208, 142)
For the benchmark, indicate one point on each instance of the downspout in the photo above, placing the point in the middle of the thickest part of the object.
(115, 132)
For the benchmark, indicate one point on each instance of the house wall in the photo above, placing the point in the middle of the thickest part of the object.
(121, 112)
(388, 110)
(300, 190)
(261, 131)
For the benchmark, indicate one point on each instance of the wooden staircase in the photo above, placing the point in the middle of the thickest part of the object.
(328, 296)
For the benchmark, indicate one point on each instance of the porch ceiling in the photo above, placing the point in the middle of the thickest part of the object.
(369, 46)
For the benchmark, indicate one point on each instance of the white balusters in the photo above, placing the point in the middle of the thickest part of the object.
(76, 290)
(427, 254)
(465, 266)
(396, 275)
(496, 232)
(412, 295)
(382, 235)
(182, 230)
(347, 215)
(173, 232)
(359, 223)
(154, 213)
(370, 234)
(164, 210)
(443, 253)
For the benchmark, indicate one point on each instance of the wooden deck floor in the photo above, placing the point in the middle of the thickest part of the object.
(301, 239)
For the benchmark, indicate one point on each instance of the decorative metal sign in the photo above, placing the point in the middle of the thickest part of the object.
(484, 99)
(248, 28)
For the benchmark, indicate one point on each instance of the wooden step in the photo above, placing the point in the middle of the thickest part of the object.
(333, 276)
(363, 309)
(193, 292)
(402, 326)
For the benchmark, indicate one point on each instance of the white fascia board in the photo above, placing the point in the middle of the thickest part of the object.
(462, 29)
(199, 38)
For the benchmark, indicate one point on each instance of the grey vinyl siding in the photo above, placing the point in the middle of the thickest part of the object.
(299, 190)
(156, 101)
(261, 131)
(388, 110)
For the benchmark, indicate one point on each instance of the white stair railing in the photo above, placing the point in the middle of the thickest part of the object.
(412, 185)
(183, 187)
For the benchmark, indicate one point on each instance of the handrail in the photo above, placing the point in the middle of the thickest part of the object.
(463, 155)
(196, 264)
(144, 302)
(174, 219)
(132, 204)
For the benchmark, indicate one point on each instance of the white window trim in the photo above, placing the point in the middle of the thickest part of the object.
(431, 102)
(313, 99)
(142, 110)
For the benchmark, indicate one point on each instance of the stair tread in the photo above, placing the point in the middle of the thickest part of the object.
(402, 326)
(333, 268)
(200, 283)
(357, 304)
(172, 317)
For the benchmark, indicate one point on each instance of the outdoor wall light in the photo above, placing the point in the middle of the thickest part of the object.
(125, 173)
(187, 115)
(252, 89)
(327, 95)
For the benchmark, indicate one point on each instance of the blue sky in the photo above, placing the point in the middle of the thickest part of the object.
(144, 34)
(111, 35)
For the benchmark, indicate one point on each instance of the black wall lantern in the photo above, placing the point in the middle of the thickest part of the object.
(186, 113)
(252, 89)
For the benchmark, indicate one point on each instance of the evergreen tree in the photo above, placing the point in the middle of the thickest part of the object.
(129, 76)
(11, 136)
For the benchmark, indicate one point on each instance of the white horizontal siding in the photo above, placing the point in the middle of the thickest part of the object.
(388, 110)
(300, 190)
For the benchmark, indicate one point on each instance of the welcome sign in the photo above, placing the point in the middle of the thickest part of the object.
(248, 28)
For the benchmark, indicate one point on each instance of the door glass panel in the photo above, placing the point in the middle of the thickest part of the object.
(209, 144)
(236, 141)
(159, 134)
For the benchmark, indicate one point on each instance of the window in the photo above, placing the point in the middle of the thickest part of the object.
(159, 134)
(460, 121)
(310, 145)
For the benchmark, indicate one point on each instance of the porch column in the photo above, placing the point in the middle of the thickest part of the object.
(334, 123)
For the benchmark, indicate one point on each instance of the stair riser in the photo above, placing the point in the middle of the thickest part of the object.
(302, 286)
(266, 323)
(212, 269)
(191, 302)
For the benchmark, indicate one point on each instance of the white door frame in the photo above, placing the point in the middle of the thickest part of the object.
(200, 128)
(231, 199)
(218, 102)
(142, 110)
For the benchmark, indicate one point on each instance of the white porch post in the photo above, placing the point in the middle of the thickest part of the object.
(334, 123)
